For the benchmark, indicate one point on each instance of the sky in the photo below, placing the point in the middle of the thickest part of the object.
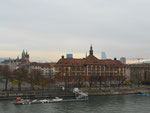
(48, 29)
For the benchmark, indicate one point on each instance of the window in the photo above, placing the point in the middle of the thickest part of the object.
(78, 73)
(73, 73)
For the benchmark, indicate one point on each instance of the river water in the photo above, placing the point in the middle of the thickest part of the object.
(96, 104)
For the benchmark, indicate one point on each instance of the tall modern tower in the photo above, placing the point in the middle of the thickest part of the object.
(103, 55)
(123, 60)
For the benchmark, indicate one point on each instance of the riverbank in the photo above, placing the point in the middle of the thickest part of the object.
(7, 95)
(116, 90)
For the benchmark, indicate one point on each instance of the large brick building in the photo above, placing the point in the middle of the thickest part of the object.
(89, 71)
(138, 73)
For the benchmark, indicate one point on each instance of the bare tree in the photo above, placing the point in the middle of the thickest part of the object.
(35, 78)
(31, 78)
(6, 73)
(20, 75)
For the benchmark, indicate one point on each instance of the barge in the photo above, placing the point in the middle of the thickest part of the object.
(79, 96)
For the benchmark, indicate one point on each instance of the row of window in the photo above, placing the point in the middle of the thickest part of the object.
(92, 74)
(89, 68)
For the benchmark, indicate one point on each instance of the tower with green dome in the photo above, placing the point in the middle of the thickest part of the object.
(25, 55)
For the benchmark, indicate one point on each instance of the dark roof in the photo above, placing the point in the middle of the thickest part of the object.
(111, 62)
(91, 59)
(69, 61)
(42, 64)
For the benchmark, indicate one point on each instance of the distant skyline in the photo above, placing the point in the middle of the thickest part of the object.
(103, 55)
(51, 28)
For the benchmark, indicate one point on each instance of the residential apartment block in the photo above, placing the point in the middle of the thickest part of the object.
(47, 69)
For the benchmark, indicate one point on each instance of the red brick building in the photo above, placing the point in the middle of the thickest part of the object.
(89, 71)
(138, 73)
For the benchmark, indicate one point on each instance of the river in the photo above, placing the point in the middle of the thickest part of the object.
(96, 104)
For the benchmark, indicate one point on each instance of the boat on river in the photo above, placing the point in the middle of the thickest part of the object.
(144, 93)
(79, 96)
(55, 100)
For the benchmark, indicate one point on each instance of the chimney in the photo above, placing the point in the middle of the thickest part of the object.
(62, 57)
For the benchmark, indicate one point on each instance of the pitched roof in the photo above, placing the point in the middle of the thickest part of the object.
(42, 64)
(111, 62)
(69, 61)
(91, 59)
(52, 64)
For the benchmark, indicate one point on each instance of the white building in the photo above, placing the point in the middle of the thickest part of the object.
(47, 69)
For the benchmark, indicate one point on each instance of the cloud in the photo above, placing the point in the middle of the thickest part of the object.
(118, 27)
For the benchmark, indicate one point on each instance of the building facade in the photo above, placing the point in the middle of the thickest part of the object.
(89, 71)
(138, 73)
(47, 69)
(18, 62)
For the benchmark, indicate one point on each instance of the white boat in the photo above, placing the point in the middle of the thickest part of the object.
(34, 100)
(57, 99)
(45, 101)
(79, 96)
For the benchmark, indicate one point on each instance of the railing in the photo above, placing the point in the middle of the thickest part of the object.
(36, 93)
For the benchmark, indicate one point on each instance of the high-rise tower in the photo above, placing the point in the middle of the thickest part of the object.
(123, 60)
(103, 55)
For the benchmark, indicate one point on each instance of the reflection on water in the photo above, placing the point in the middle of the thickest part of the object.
(96, 104)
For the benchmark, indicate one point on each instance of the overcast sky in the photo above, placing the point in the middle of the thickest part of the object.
(50, 28)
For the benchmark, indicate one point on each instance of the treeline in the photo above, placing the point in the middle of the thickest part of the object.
(34, 77)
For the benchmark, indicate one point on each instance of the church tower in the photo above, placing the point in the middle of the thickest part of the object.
(25, 56)
(91, 50)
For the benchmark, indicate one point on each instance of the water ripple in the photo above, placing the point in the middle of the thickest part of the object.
(97, 104)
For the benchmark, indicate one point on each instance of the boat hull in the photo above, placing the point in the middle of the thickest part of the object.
(49, 101)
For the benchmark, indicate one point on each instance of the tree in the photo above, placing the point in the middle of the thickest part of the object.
(31, 78)
(35, 78)
(49, 82)
(20, 75)
(6, 73)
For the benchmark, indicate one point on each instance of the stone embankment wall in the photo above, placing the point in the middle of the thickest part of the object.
(68, 93)
(35, 94)
(116, 90)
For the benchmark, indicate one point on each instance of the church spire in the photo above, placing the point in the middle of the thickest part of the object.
(26, 52)
(86, 55)
(91, 50)
(23, 53)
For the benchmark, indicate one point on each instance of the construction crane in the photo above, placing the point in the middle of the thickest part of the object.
(138, 59)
